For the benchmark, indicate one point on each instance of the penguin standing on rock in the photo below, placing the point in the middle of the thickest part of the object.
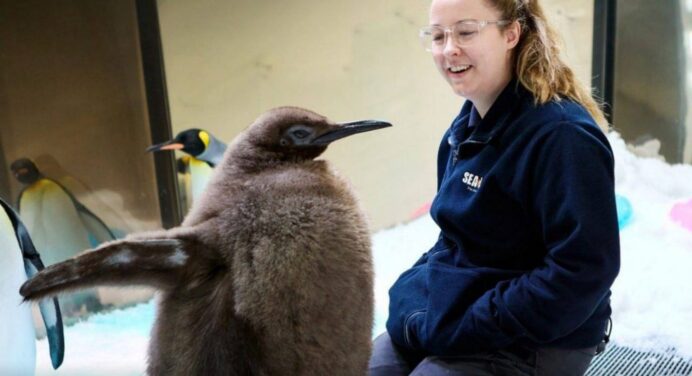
(17, 336)
(269, 274)
(204, 152)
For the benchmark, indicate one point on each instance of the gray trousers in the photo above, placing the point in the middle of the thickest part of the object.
(389, 360)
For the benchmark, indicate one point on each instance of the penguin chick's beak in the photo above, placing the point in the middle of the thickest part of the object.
(168, 145)
(348, 129)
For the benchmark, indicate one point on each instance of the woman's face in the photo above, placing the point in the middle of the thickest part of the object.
(482, 68)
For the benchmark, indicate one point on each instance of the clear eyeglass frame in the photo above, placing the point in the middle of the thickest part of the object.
(463, 32)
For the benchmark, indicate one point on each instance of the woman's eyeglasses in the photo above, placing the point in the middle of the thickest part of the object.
(464, 32)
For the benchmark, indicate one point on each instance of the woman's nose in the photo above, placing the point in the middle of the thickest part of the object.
(451, 48)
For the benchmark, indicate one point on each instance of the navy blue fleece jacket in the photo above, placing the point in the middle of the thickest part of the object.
(529, 242)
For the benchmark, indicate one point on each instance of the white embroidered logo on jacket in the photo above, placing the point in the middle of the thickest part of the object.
(472, 181)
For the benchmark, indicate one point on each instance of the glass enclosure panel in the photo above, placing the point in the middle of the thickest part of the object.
(228, 61)
(651, 101)
(72, 102)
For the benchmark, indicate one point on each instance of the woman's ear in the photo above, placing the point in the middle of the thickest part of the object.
(512, 34)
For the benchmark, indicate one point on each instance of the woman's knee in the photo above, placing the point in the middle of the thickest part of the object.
(386, 359)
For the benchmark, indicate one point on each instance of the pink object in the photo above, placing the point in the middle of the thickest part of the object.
(682, 214)
(420, 211)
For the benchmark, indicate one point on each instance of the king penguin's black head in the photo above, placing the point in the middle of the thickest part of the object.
(192, 141)
(25, 171)
(291, 133)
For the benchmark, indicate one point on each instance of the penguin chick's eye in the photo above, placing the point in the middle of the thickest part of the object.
(300, 133)
(297, 135)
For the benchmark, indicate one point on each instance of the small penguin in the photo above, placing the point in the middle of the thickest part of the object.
(59, 225)
(17, 334)
(270, 273)
(205, 152)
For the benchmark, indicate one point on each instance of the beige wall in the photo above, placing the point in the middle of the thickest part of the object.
(228, 61)
(72, 99)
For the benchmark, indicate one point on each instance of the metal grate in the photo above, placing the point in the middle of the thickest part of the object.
(623, 361)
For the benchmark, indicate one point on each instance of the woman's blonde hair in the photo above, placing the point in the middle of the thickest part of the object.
(537, 61)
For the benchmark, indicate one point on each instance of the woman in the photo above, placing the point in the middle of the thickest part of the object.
(519, 280)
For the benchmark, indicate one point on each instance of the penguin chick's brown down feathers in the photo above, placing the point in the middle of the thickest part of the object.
(269, 274)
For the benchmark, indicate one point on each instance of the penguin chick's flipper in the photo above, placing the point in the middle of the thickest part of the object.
(154, 262)
(50, 309)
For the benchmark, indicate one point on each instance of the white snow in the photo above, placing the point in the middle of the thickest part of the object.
(652, 296)
(652, 303)
(113, 344)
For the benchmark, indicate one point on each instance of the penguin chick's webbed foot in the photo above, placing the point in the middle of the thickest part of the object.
(158, 263)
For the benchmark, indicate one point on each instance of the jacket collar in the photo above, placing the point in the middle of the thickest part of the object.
(497, 117)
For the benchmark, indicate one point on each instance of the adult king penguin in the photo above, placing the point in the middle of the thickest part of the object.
(59, 225)
(41, 201)
(269, 274)
(17, 336)
(204, 152)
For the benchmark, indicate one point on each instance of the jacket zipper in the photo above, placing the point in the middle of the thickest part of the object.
(407, 336)
(456, 151)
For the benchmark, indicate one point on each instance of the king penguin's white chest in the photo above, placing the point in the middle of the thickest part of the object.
(17, 334)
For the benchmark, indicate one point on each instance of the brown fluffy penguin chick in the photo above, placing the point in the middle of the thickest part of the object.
(269, 274)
